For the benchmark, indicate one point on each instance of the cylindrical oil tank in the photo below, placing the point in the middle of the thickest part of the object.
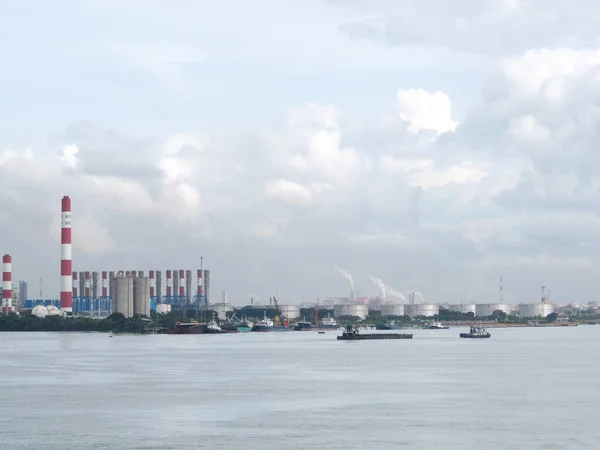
(290, 311)
(141, 296)
(123, 303)
(221, 309)
(487, 309)
(361, 311)
(464, 308)
(392, 310)
(536, 310)
(421, 309)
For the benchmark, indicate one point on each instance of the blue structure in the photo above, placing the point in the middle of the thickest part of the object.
(153, 301)
(30, 304)
(92, 306)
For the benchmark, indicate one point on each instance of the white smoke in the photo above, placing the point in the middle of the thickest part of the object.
(419, 298)
(380, 284)
(394, 293)
(387, 290)
(346, 275)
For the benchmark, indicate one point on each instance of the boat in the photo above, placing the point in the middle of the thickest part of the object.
(476, 333)
(213, 327)
(436, 326)
(390, 326)
(265, 324)
(192, 327)
(303, 326)
(352, 333)
(329, 322)
(245, 326)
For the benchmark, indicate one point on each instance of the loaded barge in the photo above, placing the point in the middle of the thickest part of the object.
(352, 334)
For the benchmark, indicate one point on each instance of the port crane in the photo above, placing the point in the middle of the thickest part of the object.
(278, 313)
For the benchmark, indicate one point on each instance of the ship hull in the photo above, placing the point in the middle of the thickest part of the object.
(475, 336)
(365, 337)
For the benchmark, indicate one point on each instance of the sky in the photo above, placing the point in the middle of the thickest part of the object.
(434, 145)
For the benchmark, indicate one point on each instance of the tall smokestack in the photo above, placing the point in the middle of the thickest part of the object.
(104, 283)
(6, 284)
(169, 284)
(152, 284)
(199, 283)
(88, 285)
(75, 287)
(66, 281)
(182, 283)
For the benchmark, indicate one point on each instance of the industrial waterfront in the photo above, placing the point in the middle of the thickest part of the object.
(137, 292)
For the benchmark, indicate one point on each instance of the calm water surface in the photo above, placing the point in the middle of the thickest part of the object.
(531, 388)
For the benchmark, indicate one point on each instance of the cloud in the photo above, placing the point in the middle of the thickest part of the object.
(276, 159)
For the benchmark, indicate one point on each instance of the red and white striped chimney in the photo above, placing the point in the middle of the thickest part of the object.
(87, 285)
(152, 283)
(6, 284)
(169, 283)
(66, 281)
(199, 282)
(182, 282)
(104, 283)
(75, 286)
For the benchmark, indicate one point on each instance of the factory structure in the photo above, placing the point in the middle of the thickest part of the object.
(100, 293)
(132, 292)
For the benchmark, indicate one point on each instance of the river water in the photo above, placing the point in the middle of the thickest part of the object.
(529, 388)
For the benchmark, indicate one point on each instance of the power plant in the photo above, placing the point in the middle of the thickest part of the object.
(130, 292)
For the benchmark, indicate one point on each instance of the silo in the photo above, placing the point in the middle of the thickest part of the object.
(141, 296)
(392, 310)
(463, 308)
(123, 303)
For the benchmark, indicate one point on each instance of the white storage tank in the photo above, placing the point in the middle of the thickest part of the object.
(290, 311)
(392, 310)
(536, 310)
(463, 308)
(421, 309)
(487, 309)
(39, 311)
(221, 309)
(361, 311)
(53, 310)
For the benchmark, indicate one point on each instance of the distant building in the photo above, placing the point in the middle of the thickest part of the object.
(22, 294)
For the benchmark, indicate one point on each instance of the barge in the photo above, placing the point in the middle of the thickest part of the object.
(352, 334)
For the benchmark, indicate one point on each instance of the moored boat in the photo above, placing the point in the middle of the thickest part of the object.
(329, 322)
(265, 324)
(303, 326)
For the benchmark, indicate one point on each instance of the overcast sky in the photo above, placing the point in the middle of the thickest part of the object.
(434, 144)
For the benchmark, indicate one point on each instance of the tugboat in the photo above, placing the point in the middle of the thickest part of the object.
(352, 333)
(476, 333)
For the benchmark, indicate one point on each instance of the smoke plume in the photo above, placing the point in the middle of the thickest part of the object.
(346, 275)
(380, 284)
(386, 290)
